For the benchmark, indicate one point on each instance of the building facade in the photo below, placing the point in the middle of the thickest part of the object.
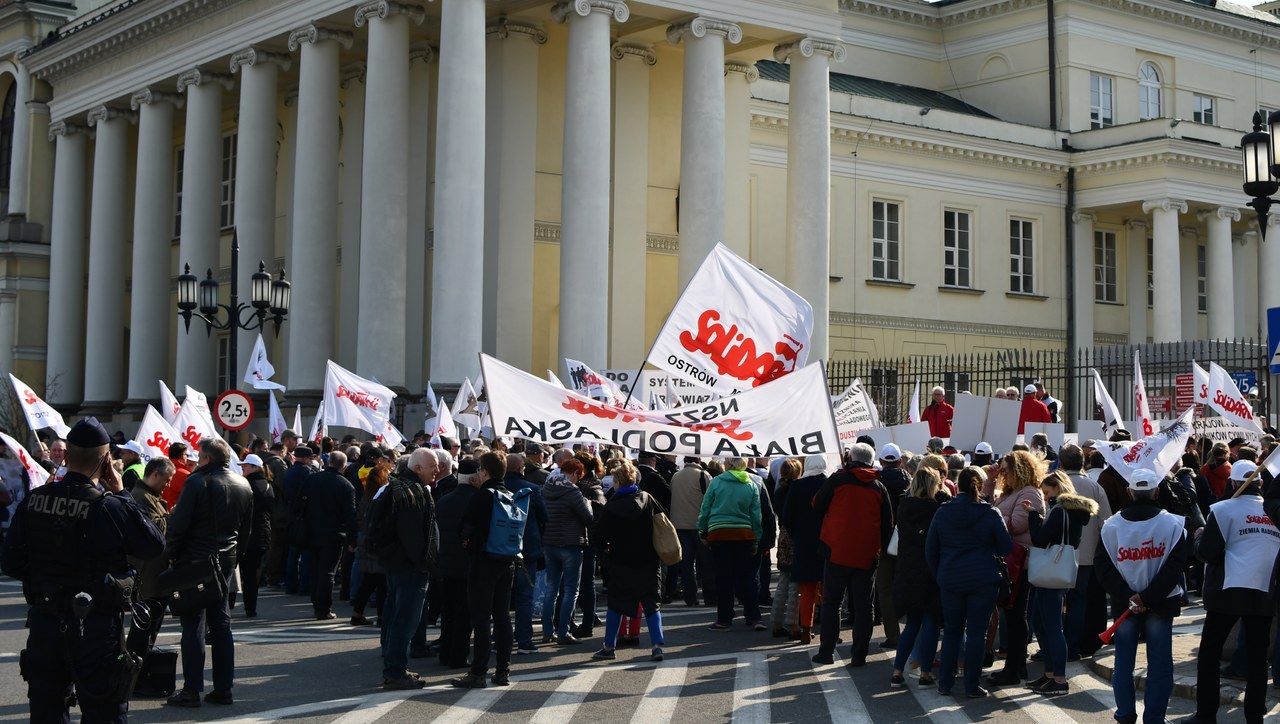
(538, 180)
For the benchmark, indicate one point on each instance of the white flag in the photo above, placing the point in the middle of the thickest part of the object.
(1272, 463)
(587, 381)
(353, 401)
(35, 474)
(194, 425)
(442, 426)
(432, 399)
(1141, 407)
(1158, 451)
(673, 399)
(155, 435)
(275, 419)
(1201, 382)
(785, 418)
(466, 406)
(297, 419)
(551, 377)
(854, 412)
(1111, 419)
(390, 436)
(168, 404)
(733, 327)
(260, 370)
(913, 415)
(318, 428)
(1225, 397)
(39, 413)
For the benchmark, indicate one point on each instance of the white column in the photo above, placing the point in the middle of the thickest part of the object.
(315, 207)
(1166, 268)
(1244, 257)
(350, 181)
(1268, 262)
(627, 324)
(1188, 241)
(8, 327)
(1136, 278)
(108, 227)
(421, 57)
(20, 158)
(702, 137)
(510, 188)
(809, 177)
(201, 226)
(738, 77)
(256, 177)
(384, 198)
(1082, 292)
(1222, 311)
(150, 306)
(584, 197)
(457, 257)
(64, 368)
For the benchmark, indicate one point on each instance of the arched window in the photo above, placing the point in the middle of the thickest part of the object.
(1148, 92)
(7, 115)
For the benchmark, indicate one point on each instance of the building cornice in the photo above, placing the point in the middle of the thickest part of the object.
(548, 232)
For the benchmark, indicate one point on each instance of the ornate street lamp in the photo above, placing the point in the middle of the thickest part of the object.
(268, 299)
(1259, 155)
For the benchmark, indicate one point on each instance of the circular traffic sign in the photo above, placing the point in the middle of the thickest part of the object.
(233, 410)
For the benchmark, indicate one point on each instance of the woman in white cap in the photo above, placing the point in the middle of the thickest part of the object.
(259, 477)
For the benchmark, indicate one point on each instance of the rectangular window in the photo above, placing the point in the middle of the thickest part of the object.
(228, 210)
(886, 236)
(1101, 102)
(177, 192)
(1104, 266)
(1202, 279)
(1203, 110)
(1021, 242)
(956, 226)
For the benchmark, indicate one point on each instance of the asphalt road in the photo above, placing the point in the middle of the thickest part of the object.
(289, 667)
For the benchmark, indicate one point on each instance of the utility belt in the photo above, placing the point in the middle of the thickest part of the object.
(113, 593)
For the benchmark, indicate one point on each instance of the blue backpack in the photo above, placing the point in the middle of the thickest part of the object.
(506, 525)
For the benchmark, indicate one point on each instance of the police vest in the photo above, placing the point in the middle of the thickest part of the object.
(1139, 548)
(57, 522)
(1252, 542)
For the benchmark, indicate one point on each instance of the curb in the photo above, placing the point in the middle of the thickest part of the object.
(1184, 687)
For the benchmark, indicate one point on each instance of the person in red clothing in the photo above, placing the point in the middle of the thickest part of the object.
(1033, 410)
(1218, 469)
(178, 456)
(938, 414)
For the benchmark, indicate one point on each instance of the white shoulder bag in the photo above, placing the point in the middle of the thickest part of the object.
(1056, 566)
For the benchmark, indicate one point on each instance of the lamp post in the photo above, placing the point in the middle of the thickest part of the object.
(267, 295)
(1260, 157)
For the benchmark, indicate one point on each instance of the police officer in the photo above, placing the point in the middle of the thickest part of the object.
(67, 544)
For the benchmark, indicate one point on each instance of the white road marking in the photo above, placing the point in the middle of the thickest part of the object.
(941, 709)
(374, 708)
(662, 694)
(1036, 706)
(562, 704)
(472, 705)
(751, 690)
(843, 700)
(1082, 679)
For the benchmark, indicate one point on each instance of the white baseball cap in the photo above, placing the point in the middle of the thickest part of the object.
(1242, 469)
(983, 448)
(252, 459)
(1144, 479)
(1029, 390)
(132, 446)
(890, 452)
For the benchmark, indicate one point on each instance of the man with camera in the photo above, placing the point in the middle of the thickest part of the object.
(68, 544)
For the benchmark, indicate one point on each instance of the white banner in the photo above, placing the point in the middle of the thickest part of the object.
(297, 420)
(1141, 406)
(35, 474)
(913, 411)
(912, 437)
(1055, 431)
(586, 381)
(352, 401)
(1225, 397)
(318, 428)
(199, 400)
(1202, 383)
(275, 419)
(169, 406)
(193, 425)
(733, 327)
(155, 435)
(260, 370)
(1221, 429)
(671, 389)
(1111, 419)
(788, 417)
(1158, 452)
(854, 413)
(39, 413)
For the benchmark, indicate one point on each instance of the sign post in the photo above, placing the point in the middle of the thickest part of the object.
(233, 410)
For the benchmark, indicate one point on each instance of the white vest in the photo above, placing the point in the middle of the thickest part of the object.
(1140, 548)
(1253, 542)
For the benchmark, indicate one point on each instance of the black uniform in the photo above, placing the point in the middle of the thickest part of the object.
(69, 538)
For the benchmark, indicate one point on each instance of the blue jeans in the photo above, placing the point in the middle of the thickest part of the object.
(400, 616)
(297, 571)
(564, 574)
(965, 614)
(1077, 602)
(522, 588)
(1158, 633)
(1047, 615)
(218, 620)
(919, 637)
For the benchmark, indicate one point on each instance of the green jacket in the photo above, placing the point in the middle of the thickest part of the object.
(732, 501)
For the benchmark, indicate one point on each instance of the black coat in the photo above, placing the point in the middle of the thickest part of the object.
(625, 532)
(263, 507)
(914, 589)
(652, 482)
(804, 525)
(214, 514)
(450, 512)
(330, 508)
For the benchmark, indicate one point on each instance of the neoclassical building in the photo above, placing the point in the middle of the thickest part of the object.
(538, 180)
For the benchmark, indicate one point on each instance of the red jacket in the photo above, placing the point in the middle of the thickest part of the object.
(1033, 410)
(938, 415)
(857, 517)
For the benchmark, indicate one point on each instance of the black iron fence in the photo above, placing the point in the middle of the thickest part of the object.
(1166, 370)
